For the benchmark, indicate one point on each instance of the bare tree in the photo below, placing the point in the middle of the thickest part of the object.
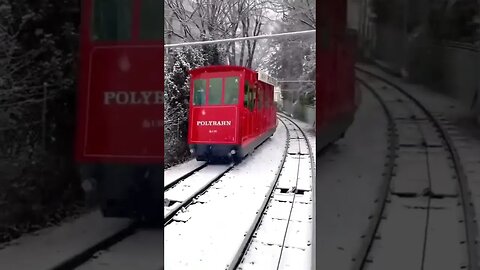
(214, 19)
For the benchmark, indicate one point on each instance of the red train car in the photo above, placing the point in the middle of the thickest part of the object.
(119, 136)
(337, 97)
(231, 112)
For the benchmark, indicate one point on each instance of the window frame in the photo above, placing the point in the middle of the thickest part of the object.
(141, 21)
(222, 85)
(226, 80)
(246, 95)
(95, 24)
(195, 92)
(260, 98)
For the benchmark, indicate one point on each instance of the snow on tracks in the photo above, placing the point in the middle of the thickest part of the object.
(214, 226)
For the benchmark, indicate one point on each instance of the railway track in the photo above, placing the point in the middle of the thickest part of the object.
(291, 191)
(424, 218)
(286, 201)
(181, 172)
(181, 192)
(185, 190)
(136, 246)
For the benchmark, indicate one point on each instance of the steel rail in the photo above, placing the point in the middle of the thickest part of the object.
(84, 256)
(312, 172)
(169, 217)
(183, 177)
(237, 259)
(467, 204)
(247, 241)
(369, 235)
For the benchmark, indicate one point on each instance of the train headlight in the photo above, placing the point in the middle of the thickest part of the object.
(233, 152)
(192, 150)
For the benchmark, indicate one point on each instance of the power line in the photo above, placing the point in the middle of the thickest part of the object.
(240, 39)
(297, 81)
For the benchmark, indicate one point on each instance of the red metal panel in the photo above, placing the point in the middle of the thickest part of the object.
(124, 105)
(330, 61)
(214, 124)
(243, 125)
(120, 99)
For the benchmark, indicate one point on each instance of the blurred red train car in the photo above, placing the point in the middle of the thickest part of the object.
(337, 97)
(119, 136)
(232, 111)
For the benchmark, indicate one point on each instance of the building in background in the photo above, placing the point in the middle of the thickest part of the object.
(277, 96)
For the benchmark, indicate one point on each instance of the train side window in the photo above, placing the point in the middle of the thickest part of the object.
(112, 20)
(267, 99)
(246, 96)
(151, 24)
(215, 91)
(270, 98)
(253, 98)
(250, 98)
(251, 101)
(260, 98)
(231, 90)
(199, 89)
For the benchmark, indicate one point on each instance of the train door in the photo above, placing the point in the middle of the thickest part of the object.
(260, 109)
(251, 108)
(268, 96)
(255, 119)
(245, 113)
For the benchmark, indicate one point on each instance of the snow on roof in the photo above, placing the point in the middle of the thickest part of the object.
(264, 77)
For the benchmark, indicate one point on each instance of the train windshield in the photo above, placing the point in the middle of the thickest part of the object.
(215, 91)
(199, 90)
(151, 20)
(231, 90)
(112, 20)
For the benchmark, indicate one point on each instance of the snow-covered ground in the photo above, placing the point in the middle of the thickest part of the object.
(209, 232)
(285, 235)
(457, 121)
(310, 131)
(173, 173)
(431, 223)
(191, 185)
(141, 251)
(349, 179)
(50, 247)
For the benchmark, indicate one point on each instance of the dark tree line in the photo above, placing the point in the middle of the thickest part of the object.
(38, 58)
(444, 20)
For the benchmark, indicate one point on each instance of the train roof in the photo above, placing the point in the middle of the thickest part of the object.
(219, 68)
(225, 68)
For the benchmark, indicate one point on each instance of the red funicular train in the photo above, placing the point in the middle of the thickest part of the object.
(337, 98)
(119, 136)
(231, 112)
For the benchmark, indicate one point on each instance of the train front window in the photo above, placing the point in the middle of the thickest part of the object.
(231, 90)
(151, 25)
(112, 20)
(199, 89)
(215, 91)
